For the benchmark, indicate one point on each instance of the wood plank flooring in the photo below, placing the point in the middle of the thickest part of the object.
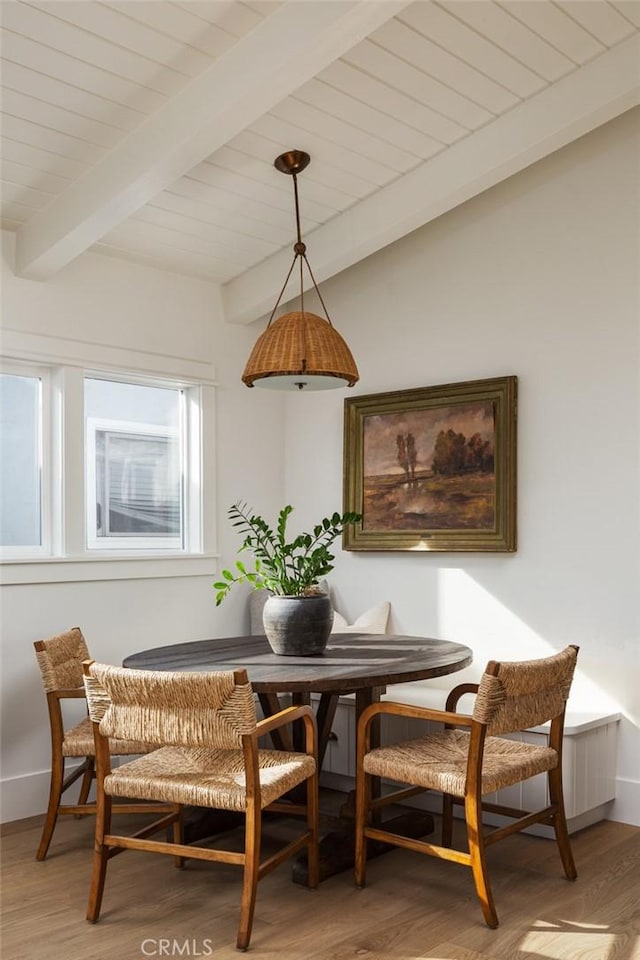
(413, 908)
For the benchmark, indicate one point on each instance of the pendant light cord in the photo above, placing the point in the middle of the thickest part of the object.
(295, 195)
(284, 287)
(313, 280)
(299, 250)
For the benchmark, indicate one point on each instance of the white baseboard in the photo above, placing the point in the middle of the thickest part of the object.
(28, 795)
(25, 796)
(626, 806)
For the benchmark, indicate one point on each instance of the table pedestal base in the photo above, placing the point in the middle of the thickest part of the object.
(337, 848)
(200, 823)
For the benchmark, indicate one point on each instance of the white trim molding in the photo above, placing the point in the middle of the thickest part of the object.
(626, 806)
(62, 351)
(78, 569)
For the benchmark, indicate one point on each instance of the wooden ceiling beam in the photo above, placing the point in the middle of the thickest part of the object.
(286, 49)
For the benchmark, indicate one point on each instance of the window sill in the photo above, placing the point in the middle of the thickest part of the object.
(77, 569)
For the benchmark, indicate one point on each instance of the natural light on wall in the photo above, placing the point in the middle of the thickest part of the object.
(473, 615)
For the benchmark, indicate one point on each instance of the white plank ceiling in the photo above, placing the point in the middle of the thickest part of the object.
(147, 129)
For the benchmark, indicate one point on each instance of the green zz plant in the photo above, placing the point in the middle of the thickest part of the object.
(288, 568)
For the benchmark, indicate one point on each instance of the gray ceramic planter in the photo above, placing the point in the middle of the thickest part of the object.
(298, 626)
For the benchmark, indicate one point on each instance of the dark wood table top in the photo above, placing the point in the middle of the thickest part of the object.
(351, 661)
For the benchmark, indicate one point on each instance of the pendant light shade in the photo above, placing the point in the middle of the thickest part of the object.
(299, 350)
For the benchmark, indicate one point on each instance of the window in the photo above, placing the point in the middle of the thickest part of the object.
(105, 472)
(137, 439)
(22, 481)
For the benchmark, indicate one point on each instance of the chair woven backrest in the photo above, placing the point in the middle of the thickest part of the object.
(177, 709)
(525, 694)
(60, 660)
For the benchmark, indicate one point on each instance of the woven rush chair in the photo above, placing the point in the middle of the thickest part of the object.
(469, 763)
(206, 724)
(60, 660)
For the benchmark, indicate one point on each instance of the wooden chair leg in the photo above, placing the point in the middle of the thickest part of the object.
(100, 857)
(313, 857)
(556, 796)
(87, 780)
(253, 828)
(363, 793)
(178, 837)
(447, 820)
(55, 794)
(473, 815)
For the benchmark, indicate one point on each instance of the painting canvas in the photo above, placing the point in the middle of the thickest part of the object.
(433, 468)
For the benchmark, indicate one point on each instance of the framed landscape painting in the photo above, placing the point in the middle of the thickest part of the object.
(433, 468)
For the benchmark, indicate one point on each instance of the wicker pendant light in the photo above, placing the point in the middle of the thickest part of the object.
(300, 350)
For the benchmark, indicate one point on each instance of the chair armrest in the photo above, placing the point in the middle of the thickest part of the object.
(280, 719)
(288, 715)
(458, 692)
(412, 710)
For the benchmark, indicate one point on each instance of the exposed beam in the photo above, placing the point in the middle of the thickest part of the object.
(281, 53)
(572, 107)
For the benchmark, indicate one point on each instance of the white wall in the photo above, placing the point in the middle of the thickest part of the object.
(538, 277)
(162, 318)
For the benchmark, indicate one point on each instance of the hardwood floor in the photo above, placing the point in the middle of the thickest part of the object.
(413, 908)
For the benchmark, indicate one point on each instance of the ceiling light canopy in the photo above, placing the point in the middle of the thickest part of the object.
(300, 350)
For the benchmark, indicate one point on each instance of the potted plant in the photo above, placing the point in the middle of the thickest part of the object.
(297, 616)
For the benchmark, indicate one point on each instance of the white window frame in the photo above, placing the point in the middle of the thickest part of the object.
(47, 441)
(64, 556)
(191, 462)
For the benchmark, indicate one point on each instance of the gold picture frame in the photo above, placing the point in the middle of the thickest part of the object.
(433, 468)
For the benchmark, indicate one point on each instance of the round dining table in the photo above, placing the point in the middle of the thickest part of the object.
(353, 663)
